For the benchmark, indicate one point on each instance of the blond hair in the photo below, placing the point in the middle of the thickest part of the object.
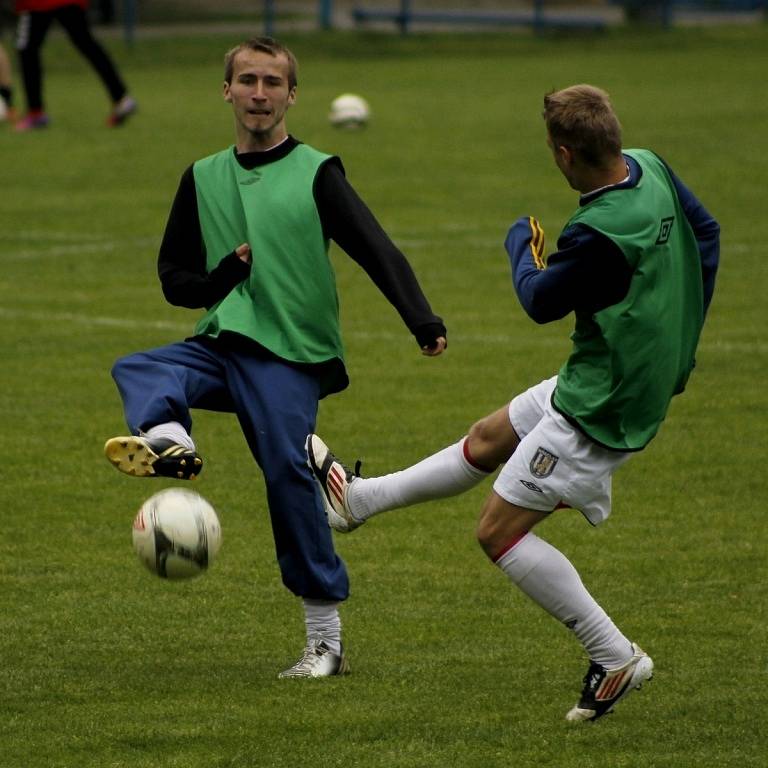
(265, 45)
(581, 118)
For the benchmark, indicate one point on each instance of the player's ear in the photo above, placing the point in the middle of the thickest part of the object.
(565, 154)
(226, 92)
(292, 96)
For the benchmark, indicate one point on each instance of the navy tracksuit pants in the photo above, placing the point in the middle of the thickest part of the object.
(276, 405)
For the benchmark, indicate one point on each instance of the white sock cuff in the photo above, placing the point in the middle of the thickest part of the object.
(323, 621)
(522, 555)
(171, 430)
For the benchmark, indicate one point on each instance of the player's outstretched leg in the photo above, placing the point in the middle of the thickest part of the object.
(160, 457)
(334, 480)
(604, 689)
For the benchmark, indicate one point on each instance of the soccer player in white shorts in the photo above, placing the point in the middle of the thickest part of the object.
(635, 264)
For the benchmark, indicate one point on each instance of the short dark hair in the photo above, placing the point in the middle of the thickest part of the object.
(582, 118)
(265, 45)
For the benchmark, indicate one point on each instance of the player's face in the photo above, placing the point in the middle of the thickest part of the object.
(260, 96)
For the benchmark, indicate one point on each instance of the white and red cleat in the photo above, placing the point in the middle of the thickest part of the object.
(334, 480)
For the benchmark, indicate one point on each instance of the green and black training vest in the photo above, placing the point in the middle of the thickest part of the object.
(289, 304)
(629, 359)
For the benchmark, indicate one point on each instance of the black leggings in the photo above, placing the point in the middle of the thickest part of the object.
(31, 32)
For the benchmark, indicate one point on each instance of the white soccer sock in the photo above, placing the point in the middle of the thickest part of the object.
(549, 579)
(323, 622)
(446, 473)
(172, 430)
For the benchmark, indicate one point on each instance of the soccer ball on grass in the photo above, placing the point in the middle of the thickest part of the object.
(349, 111)
(176, 534)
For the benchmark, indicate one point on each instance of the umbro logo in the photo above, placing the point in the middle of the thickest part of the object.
(531, 486)
(665, 228)
(252, 179)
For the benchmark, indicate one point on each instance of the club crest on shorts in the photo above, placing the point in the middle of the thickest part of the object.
(543, 463)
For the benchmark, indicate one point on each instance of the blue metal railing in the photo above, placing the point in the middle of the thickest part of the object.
(407, 14)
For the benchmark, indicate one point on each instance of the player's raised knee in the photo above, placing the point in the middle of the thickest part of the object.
(491, 440)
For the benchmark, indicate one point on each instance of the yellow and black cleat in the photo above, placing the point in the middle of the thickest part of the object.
(138, 457)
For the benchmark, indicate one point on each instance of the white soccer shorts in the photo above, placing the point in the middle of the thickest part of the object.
(555, 463)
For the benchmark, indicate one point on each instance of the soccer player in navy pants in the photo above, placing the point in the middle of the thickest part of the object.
(247, 240)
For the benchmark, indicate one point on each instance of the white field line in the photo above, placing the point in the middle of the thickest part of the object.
(81, 319)
(50, 243)
(49, 236)
(77, 246)
(81, 242)
(60, 245)
(514, 338)
(77, 318)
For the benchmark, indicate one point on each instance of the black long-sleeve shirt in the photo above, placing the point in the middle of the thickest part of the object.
(345, 219)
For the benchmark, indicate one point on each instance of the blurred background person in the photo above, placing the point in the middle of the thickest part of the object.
(34, 21)
(7, 111)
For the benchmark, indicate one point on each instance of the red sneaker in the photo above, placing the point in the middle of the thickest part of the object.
(122, 110)
(32, 122)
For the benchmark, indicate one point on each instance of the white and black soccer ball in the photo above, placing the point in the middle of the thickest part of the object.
(176, 534)
(349, 111)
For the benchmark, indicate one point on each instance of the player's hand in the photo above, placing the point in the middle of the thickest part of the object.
(244, 253)
(435, 349)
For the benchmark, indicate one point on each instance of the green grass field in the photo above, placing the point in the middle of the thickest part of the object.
(103, 665)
